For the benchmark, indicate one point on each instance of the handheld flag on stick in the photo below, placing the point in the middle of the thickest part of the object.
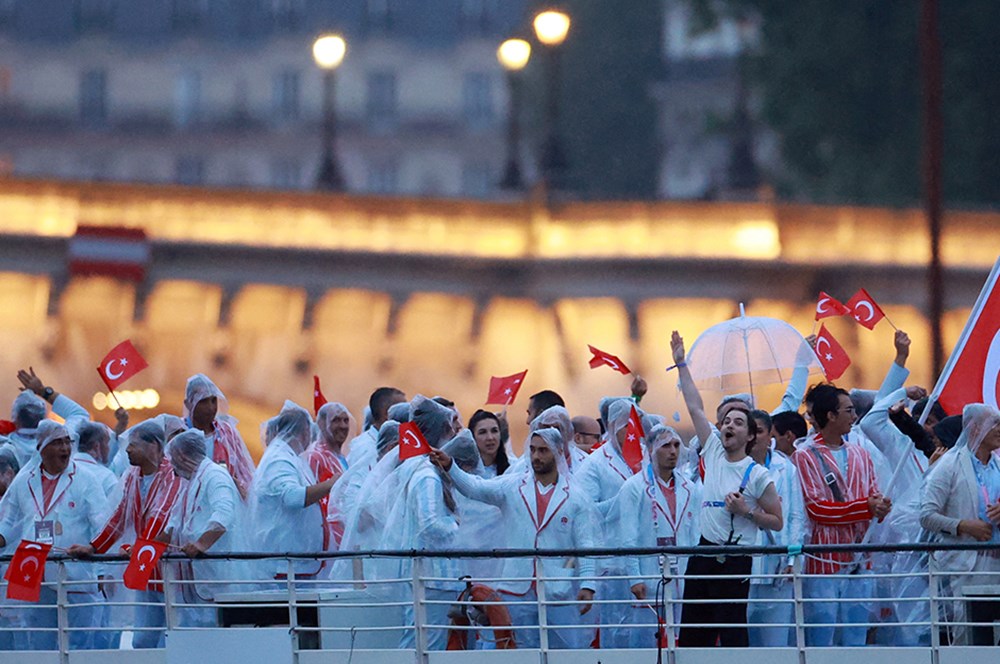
(831, 354)
(865, 310)
(120, 364)
(828, 306)
(601, 358)
(26, 570)
(632, 449)
(503, 389)
(318, 399)
(142, 563)
(411, 441)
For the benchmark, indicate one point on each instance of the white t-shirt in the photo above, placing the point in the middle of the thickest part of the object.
(723, 477)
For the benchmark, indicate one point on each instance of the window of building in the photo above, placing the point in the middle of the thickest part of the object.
(186, 14)
(379, 15)
(189, 170)
(94, 14)
(381, 104)
(94, 97)
(286, 174)
(187, 98)
(383, 177)
(285, 95)
(477, 98)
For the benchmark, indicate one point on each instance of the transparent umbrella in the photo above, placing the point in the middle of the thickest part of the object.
(742, 352)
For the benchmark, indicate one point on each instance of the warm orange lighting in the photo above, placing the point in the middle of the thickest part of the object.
(513, 54)
(551, 27)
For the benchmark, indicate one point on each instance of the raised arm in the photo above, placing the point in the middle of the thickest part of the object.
(692, 398)
(898, 373)
(792, 398)
(485, 491)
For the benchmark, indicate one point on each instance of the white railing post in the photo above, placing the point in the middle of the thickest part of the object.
(668, 620)
(293, 610)
(800, 614)
(62, 617)
(170, 621)
(543, 615)
(932, 594)
(419, 610)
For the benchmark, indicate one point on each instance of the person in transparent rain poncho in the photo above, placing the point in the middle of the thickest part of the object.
(540, 509)
(656, 507)
(364, 528)
(53, 501)
(423, 516)
(149, 490)
(285, 515)
(554, 417)
(208, 517)
(600, 477)
(9, 468)
(28, 411)
(334, 424)
(205, 409)
(961, 503)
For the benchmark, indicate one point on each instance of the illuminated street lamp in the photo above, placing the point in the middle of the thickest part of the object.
(513, 55)
(551, 28)
(328, 53)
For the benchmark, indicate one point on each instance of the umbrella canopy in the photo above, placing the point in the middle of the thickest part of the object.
(742, 352)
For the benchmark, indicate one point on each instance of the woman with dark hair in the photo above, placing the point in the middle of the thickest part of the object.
(487, 431)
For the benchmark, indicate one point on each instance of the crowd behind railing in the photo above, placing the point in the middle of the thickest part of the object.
(812, 489)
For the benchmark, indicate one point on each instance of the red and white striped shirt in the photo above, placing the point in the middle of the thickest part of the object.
(136, 516)
(832, 521)
(327, 465)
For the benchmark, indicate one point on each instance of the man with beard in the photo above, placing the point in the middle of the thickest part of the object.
(149, 491)
(541, 511)
(327, 461)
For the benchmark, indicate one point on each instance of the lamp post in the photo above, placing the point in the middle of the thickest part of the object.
(551, 28)
(328, 53)
(513, 55)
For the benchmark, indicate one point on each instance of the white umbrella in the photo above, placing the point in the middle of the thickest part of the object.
(742, 352)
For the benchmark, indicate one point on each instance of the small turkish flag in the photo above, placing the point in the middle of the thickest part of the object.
(411, 442)
(123, 362)
(632, 449)
(831, 354)
(829, 306)
(865, 310)
(503, 389)
(26, 570)
(142, 563)
(318, 399)
(602, 358)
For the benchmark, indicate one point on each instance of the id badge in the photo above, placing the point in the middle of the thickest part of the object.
(666, 541)
(45, 532)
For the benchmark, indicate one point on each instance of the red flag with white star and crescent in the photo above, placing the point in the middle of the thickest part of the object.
(120, 364)
(26, 570)
(318, 399)
(142, 563)
(411, 441)
(503, 389)
(632, 449)
(831, 354)
(600, 358)
(864, 309)
(827, 306)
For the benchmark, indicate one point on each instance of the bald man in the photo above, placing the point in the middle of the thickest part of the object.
(586, 432)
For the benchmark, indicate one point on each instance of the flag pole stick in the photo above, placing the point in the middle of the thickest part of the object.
(889, 321)
(115, 397)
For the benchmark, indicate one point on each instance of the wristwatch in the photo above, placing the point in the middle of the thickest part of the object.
(47, 394)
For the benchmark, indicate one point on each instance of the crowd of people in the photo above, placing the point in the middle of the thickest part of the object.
(852, 467)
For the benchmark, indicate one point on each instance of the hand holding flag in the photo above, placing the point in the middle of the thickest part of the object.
(503, 389)
(601, 358)
(120, 364)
